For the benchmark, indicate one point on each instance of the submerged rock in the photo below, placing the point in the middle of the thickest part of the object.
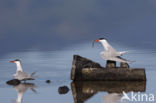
(13, 82)
(63, 90)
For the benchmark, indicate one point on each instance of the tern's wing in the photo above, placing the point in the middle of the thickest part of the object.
(111, 50)
(108, 47)
(21, 75)
(108, 55)
(120, 59)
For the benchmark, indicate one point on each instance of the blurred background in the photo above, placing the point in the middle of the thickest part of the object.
(56, 24)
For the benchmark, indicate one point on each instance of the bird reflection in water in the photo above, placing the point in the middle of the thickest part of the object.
(112, 98)
(21, 89)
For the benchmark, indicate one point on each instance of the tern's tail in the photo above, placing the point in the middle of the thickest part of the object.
(131, 61)
(32, 75)
(123, 52)
(120, 59)
(128, 61)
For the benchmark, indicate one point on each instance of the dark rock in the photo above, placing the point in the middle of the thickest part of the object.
(48, 81)
(63, 90)
(110, 64)
(13, 82)
(86, 70)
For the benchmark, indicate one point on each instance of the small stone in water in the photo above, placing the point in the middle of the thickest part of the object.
(63, 90)
(48, 81)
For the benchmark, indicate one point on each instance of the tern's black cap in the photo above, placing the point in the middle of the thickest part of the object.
(17, 60)
(102, 39)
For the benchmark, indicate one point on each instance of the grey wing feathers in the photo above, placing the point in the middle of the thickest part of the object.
(110, 48)
(24, 76)
(124, 60)
(32, 74)
(121, 58)
(20, 75)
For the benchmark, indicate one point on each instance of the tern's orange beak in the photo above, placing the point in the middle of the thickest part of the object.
(96, 40)
(13, 61)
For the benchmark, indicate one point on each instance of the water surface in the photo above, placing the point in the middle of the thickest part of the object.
(56, 66)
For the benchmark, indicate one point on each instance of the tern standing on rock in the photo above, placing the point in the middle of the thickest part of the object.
(110, 53)
(20, 74)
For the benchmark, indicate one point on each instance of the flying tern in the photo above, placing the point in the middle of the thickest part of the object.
(110, 53)
(20, 74)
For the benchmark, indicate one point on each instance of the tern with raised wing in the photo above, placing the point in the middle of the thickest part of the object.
(20, 74)
(110, 53)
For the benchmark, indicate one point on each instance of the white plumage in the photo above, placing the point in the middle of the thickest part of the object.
(110, 53)
(20, 74)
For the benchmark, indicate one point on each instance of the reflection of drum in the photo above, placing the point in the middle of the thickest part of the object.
(86, 89)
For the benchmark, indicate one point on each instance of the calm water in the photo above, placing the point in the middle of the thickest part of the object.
(56, 66)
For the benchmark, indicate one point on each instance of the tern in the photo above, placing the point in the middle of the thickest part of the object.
(20, 74)
(110, 53)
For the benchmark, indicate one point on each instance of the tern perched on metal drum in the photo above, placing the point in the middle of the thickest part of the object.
(20, 74)
(110, 53)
